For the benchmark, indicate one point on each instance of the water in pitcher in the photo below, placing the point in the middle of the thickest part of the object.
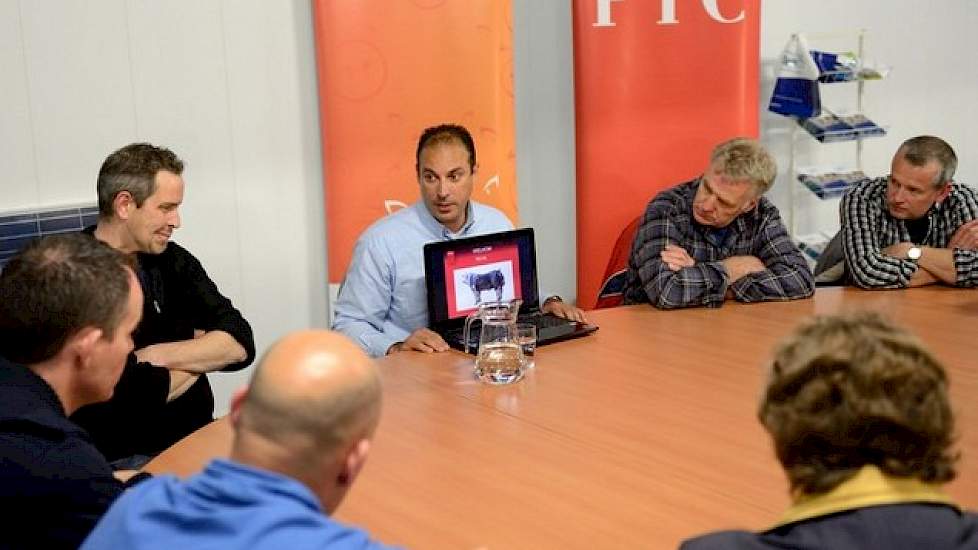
(499, 363)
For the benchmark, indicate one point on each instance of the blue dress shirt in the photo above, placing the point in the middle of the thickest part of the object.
(383, 298)
(228, 505)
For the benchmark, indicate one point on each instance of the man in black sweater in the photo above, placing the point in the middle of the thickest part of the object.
(68, 306)
(188, 327)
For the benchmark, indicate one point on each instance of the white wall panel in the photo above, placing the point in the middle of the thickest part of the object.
(18, 179)
(275, 140)
(180, 82)
(80, 92)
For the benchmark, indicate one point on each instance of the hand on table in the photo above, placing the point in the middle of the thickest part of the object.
(565, 310)
(423, 340)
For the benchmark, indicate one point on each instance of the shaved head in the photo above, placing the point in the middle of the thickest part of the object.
(313, 394)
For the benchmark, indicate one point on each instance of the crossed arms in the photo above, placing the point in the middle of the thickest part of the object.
(674, 265)
(865, 227)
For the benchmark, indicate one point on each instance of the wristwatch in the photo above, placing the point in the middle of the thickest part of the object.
(553, 298)
(914, 253)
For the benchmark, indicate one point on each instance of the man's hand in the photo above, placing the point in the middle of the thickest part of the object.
(124, 475)
(180, 382)
(152, 354)
(897, 250)
(739, 266)
(676, 257)
(423, 340)
(565, 310)
(966, 236)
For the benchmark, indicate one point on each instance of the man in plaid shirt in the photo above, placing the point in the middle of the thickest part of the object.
(716, 237)
(915, 227)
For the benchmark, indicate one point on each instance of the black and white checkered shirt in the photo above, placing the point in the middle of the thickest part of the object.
(868, 228)
(760, 233)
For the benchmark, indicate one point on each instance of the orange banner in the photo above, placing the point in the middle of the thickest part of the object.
(658, 83)
(388, 70)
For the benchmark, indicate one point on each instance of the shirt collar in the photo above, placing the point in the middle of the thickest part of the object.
(869, 487)
(437, 229)
(246, 475)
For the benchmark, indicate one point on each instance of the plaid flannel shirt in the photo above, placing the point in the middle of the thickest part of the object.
(760, 233)
(868, 228)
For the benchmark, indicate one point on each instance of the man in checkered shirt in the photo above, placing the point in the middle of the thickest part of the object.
(914, 227)
(716, 238)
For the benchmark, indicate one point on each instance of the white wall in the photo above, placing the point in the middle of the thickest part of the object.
(545, 167)
(931, 90)
(229, 85)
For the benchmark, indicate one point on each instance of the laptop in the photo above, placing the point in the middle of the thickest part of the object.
(460, 274)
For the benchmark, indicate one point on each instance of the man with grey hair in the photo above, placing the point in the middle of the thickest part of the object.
(716, 237)
(914, 227)
(188, 328)
(302, 432)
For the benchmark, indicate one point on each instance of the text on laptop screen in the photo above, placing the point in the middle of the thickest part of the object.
(484, 273)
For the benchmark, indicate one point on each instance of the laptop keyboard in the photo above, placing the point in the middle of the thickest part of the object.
(543, 321)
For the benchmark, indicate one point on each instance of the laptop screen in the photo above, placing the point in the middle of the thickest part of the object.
(461, 274)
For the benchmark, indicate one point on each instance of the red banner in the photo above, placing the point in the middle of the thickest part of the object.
(388, 70)
(658, 83)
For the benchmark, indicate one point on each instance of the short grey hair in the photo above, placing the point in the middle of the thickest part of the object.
(921, 150)
(744, 159)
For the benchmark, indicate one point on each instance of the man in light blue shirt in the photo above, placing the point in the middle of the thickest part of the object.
(302, 432)
(382, 303)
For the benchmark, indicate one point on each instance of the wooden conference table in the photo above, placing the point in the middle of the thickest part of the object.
(638, 436)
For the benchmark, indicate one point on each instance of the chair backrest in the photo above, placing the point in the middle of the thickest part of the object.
(830, 269)
(615, 275)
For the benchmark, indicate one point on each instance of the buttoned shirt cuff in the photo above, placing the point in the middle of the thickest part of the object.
(378, 344)
(715, 283)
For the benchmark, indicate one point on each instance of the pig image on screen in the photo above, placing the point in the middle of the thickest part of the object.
(480, 282)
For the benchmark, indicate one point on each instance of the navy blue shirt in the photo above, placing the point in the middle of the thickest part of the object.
(50, 473)
(908, 526)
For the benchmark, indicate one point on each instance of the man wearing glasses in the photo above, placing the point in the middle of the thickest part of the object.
(915, 227)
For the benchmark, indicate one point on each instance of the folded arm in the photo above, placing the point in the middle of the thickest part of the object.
(950, 266)
(780, 272)
(868, 265)
(656, 266)
(222, 338)
(211, 351)
(875, 266)
(964, 247)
